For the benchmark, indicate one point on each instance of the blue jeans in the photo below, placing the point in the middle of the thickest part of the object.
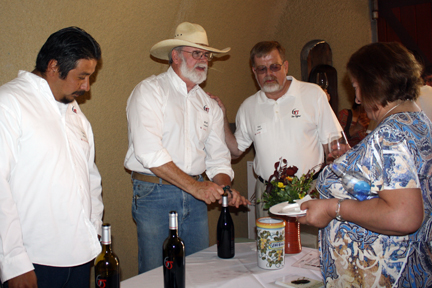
(150, 208)
(61, 277)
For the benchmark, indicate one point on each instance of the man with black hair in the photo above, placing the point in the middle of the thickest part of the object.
(50, 189)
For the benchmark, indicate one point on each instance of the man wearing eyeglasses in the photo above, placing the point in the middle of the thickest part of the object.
(176, 132)
(287, 118)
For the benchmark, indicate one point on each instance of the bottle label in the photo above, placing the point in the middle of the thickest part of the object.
(168, 263)
(112, 281)
(100, 282)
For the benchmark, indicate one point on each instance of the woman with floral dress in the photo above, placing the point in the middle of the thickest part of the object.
(384, 241)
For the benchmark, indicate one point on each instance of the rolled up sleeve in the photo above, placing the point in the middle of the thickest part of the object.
(218, 158)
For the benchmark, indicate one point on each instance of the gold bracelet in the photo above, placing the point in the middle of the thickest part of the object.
(338, 216)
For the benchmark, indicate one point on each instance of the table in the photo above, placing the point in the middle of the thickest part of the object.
(205, 269)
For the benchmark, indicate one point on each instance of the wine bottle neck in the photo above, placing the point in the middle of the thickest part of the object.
(106, 248)
(173, 232)
(106, 234)
(225, 201)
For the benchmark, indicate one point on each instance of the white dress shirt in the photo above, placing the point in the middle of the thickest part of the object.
(293, 127)
(166, 123)
(50, 189)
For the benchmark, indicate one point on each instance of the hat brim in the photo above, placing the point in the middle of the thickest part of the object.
(163, 48)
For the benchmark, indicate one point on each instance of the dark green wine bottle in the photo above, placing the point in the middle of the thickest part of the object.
(106, 264)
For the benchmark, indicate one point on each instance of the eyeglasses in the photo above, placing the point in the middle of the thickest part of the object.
(272, 68)
(197, 55)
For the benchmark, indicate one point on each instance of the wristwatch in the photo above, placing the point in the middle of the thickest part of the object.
(338, 216)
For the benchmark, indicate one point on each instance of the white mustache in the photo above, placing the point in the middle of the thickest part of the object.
(270, 77)
(205, 66)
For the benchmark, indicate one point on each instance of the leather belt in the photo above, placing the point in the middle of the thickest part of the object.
(154, 179)
(262, 180)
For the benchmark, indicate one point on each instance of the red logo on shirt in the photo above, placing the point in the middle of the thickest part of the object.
(295, 113)
(74, 109)
(206, 108)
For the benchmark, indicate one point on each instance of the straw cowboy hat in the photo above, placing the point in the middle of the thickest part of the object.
(186, 34)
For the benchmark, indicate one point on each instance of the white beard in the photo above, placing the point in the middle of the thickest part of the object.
(271, 87)
(193, 75)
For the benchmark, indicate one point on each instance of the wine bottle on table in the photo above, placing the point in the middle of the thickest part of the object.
(107, 265)
(225, 231)
(174, 263)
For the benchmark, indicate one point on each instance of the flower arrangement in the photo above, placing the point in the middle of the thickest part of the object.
(285, 186)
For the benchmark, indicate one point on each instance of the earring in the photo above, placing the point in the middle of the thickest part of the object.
(356, 100)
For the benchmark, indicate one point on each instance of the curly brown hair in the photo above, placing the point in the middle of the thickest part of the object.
(385, 72)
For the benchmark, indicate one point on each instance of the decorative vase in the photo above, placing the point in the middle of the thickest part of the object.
(292, 235)
(270, 242)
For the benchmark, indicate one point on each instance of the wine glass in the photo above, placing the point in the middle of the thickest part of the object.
(337, 145)
(321, 80)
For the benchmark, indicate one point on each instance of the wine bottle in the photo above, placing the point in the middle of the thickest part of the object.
(174, 262)
(354, 183)
(107, 265)
(225, 231)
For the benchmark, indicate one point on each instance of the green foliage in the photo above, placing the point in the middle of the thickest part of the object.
(285, 186)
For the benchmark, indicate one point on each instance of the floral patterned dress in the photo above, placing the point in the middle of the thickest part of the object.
(397, 154)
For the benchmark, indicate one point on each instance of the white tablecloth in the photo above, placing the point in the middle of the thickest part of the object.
(205, 270)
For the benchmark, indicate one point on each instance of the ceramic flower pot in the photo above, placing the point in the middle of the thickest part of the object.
(270, 242)
(292, 235)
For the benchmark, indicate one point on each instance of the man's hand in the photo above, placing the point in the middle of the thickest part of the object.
(207, 191)
(219, 101)
(235, 199)
(26, 280)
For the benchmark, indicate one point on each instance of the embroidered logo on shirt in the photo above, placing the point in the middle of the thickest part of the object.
(259, 129)
(205, 126)
(206, 108)
(84, 136)
(74, 109)
(295, 113)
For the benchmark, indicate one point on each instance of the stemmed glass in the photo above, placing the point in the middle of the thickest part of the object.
(337, 145)
(321, 80)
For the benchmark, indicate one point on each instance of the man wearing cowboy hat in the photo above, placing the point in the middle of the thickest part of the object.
(176, 132)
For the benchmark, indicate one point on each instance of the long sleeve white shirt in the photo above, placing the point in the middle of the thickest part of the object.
(50, 189)
(166, 123)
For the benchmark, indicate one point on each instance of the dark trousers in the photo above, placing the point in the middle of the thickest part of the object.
(61, 277)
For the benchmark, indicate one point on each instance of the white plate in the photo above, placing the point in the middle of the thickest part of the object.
(287, 209)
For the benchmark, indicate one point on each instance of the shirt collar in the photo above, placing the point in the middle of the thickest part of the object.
(178, 83)
(38, 83)
(43, 87)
